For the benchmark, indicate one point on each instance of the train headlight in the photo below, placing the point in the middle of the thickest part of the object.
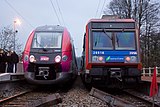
(64, 58)
(94, 58)
(57, 59)
(98, 59)
(133, 58)
(130, 59)
(127, 59)
(32, 58)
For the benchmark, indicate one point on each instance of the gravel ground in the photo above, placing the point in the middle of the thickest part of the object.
(78, 96)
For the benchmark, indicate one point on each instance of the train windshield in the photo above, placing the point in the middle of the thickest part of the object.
(47, 40)
(125, 41)
(102, 40)
(114, 40)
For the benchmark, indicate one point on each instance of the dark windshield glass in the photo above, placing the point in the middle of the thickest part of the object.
(47, 40)
(102, 40)
(114, 40)
(125, 40)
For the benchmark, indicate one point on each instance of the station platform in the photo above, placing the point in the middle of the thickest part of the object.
(6, 77)
(149, 79)
(19, 75)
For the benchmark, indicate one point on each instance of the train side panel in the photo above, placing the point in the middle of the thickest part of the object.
(27, 51)
(66, 52)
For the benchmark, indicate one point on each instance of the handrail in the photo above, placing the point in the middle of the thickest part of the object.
(149, 71)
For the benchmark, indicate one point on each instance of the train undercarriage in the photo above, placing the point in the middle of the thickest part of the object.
(111, 77)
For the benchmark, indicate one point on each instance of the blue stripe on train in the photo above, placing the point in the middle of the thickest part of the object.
(115, 52)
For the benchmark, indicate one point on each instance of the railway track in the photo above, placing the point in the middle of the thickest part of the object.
(31, 98)
(123, 99)
(75, 96)
(142, 97)
(12, 88)
(22, 94)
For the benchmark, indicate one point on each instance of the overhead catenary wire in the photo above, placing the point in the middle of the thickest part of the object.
(60, 12)
(19, 14)
(97, 8)
(104, 2)
(55, 12)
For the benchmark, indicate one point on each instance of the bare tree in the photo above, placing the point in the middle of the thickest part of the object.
(7, 40)
(122, 8)
(147, 15)
(154, 49)
(136, 9)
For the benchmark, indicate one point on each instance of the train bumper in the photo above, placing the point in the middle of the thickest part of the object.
(60, 78)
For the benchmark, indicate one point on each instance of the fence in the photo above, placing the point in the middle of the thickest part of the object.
(149, 71)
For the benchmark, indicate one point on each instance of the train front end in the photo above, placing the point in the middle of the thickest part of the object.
(47, 56)
(111, 52)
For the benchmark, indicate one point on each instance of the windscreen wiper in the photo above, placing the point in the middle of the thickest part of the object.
(117, 40)
(107, 34)
(111, 38)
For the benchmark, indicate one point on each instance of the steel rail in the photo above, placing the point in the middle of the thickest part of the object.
(110, 99)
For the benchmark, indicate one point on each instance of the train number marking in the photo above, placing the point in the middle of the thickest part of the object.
(133, 53)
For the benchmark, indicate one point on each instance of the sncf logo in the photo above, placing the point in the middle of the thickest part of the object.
(133, 53)
(44, 58)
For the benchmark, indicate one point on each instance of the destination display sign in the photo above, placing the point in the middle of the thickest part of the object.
(113, 25)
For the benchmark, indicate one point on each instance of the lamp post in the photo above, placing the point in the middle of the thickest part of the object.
(14, 36)
(17, 21)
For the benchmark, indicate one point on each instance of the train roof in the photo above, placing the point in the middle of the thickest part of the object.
(50, 28)
(111, 20)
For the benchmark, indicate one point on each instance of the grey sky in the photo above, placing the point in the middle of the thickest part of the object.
(33, 13)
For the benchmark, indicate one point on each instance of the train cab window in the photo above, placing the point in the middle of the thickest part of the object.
(102, 40)
(124, 40)
(47, 40)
